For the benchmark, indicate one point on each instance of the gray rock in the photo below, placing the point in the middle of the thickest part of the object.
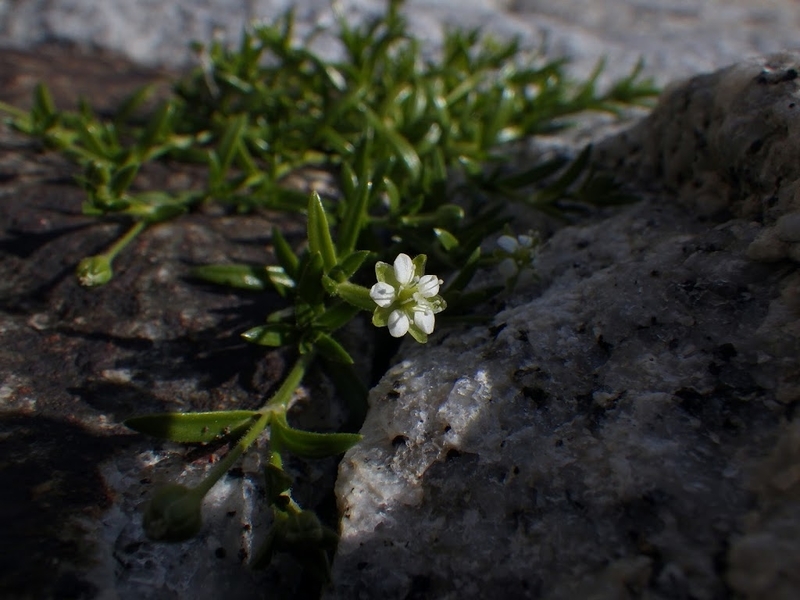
(625, 427)
(675, 39)
(663, 478)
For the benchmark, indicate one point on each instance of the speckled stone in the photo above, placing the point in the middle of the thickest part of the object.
(625, 427)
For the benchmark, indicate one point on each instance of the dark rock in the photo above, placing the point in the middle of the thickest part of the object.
(614, 433)
(76, 362)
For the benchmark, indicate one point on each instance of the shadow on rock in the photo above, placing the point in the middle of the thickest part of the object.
(50, 487)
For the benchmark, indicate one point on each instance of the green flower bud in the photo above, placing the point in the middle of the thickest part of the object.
(173, 514)
(94, 270)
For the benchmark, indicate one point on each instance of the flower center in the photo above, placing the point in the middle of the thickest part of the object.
(406, 293)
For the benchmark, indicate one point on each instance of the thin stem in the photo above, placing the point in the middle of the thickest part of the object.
(126, 239)
(278, 402)
(281, 398)
(226, 463)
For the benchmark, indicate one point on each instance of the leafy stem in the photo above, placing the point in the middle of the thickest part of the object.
(278, 403)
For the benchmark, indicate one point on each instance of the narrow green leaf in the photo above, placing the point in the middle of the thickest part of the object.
(319, 234)
(216, 176)
(193, 427)
(499, 117)
(332, 350)
(357, 194)
(272, 334)
(309, 284)
(229, 143)
(158, 126)
(449, 214)
(336, 316)
(561, 186)
(446, 239)
(356, 295)
(155, 206)
(349, 181)
(244, 277)
(237, 83)
(91, 137)
(129, 106)
(533, 175)
(574, 171)
(280, 280)
(401, 146)
(466, 273)
(43, 105)
(348, 266)
(338, 143)
(284, 253)
(122, 179)
(392, 195)
(306, 443)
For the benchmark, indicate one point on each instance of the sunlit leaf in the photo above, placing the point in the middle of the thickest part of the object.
(245, 277)
(272, 334)
(193, 427)
(447, 239)
(319, 234)
(284, 253)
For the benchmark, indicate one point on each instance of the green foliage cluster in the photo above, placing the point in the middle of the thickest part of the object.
(393, 127)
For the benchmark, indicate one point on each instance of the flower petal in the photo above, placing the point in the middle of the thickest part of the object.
(403, 269)
(508, 243)
(398, 323)
(508, 268)
(428, 286)
(424, 320)
(383, 294)
(526, 241)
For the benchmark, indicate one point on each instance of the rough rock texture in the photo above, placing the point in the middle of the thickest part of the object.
(728, 142)
(675, 37)
(643, 434)
(627, 427)
(74, 363)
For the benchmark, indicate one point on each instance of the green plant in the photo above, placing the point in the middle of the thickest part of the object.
(394, 129)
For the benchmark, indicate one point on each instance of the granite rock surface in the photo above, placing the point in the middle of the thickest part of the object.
(663, 452)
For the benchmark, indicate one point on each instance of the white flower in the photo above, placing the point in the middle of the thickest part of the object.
(516, 254)
(508, 243)
(407, 300)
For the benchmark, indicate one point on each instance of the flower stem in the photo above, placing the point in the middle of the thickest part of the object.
(126, 239)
